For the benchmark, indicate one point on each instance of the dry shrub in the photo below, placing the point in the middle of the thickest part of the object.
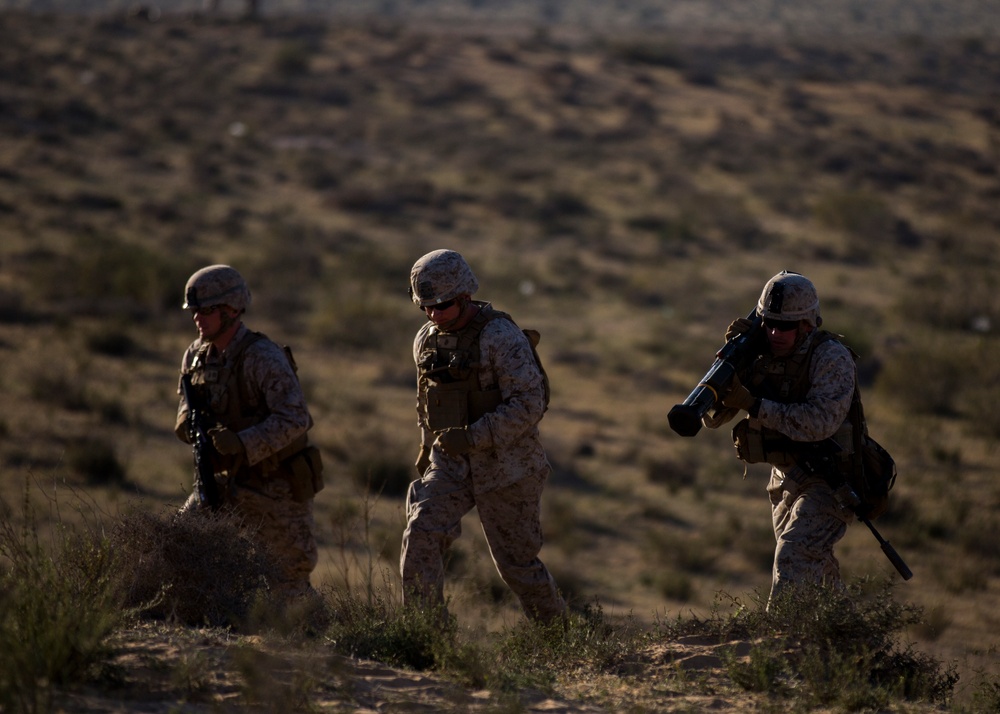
(922, 376)
(95, 459)
(961, 297)
(59, 601)
(110, 275)
(197, 568)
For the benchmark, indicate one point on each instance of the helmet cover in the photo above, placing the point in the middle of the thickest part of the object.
(439, 276)
(790, 296)
(217, 285)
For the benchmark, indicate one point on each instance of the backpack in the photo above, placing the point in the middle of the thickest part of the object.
(874, 470)
(534, 337)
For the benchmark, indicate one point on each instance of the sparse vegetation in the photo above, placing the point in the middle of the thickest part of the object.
(816, 646)
(59, 602)
(627, 196)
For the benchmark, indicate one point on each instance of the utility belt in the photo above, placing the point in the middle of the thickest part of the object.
(303, 470)
(756, 445)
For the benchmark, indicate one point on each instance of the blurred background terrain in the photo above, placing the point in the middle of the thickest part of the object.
(622, 177)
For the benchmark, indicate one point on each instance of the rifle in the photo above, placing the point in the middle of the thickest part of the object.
(202, 447)
(819, 458)
(735, 357)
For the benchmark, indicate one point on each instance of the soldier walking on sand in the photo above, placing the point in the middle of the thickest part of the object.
(799, 390)
(480, 396)
(267, 472)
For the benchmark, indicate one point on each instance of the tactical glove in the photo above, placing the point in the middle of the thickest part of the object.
(183, 430)
(423, 461)
(737, 327)
(226, 441)
(455, 442)
(739, 397)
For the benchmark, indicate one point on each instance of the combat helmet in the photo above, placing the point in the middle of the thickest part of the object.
(217, 285)
(439, 276)
(789, 297)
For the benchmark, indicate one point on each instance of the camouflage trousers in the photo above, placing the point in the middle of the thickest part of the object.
(511, 521)
(808, 522)
(285, 527)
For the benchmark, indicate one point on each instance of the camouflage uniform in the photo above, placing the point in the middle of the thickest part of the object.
(502, 476)
(807, 518)
(252, 388)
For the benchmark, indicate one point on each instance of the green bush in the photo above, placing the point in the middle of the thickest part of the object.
(57, 607)
(840, 648)
(533, 655)
(376, 627)
(986, 694)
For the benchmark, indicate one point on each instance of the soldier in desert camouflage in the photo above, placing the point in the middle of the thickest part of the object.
(267, 471)
(480, 396)
(799, 389)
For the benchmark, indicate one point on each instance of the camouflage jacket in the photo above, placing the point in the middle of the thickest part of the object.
(822, 412)
(271, 387)
(506, 440)
(831, 379)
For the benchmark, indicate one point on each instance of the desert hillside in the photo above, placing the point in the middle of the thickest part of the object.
(627, 194)
(761, 18)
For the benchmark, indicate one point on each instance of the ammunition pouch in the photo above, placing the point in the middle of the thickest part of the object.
(878, 476)
(447, 405)
(754, 445)
(749, 442)
(305, 473)
(454, 405)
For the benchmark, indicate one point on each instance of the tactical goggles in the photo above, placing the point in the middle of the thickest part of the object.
(780, 325)
(441, 306)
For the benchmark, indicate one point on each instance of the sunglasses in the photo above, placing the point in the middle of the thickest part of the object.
(204, 311)
(441, 306)
(780, 325)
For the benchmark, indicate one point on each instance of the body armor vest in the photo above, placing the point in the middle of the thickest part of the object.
(786, 380)
(222, 388)
(449, 392)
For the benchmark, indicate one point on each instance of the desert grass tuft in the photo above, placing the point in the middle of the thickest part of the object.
(839, 648)
(194, 568)
(58, 604)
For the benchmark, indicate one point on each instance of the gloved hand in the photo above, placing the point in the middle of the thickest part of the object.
(454, 442)
(738, 396)
(183, 430)
(737, 327)
(423, 461)
(226, 441)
